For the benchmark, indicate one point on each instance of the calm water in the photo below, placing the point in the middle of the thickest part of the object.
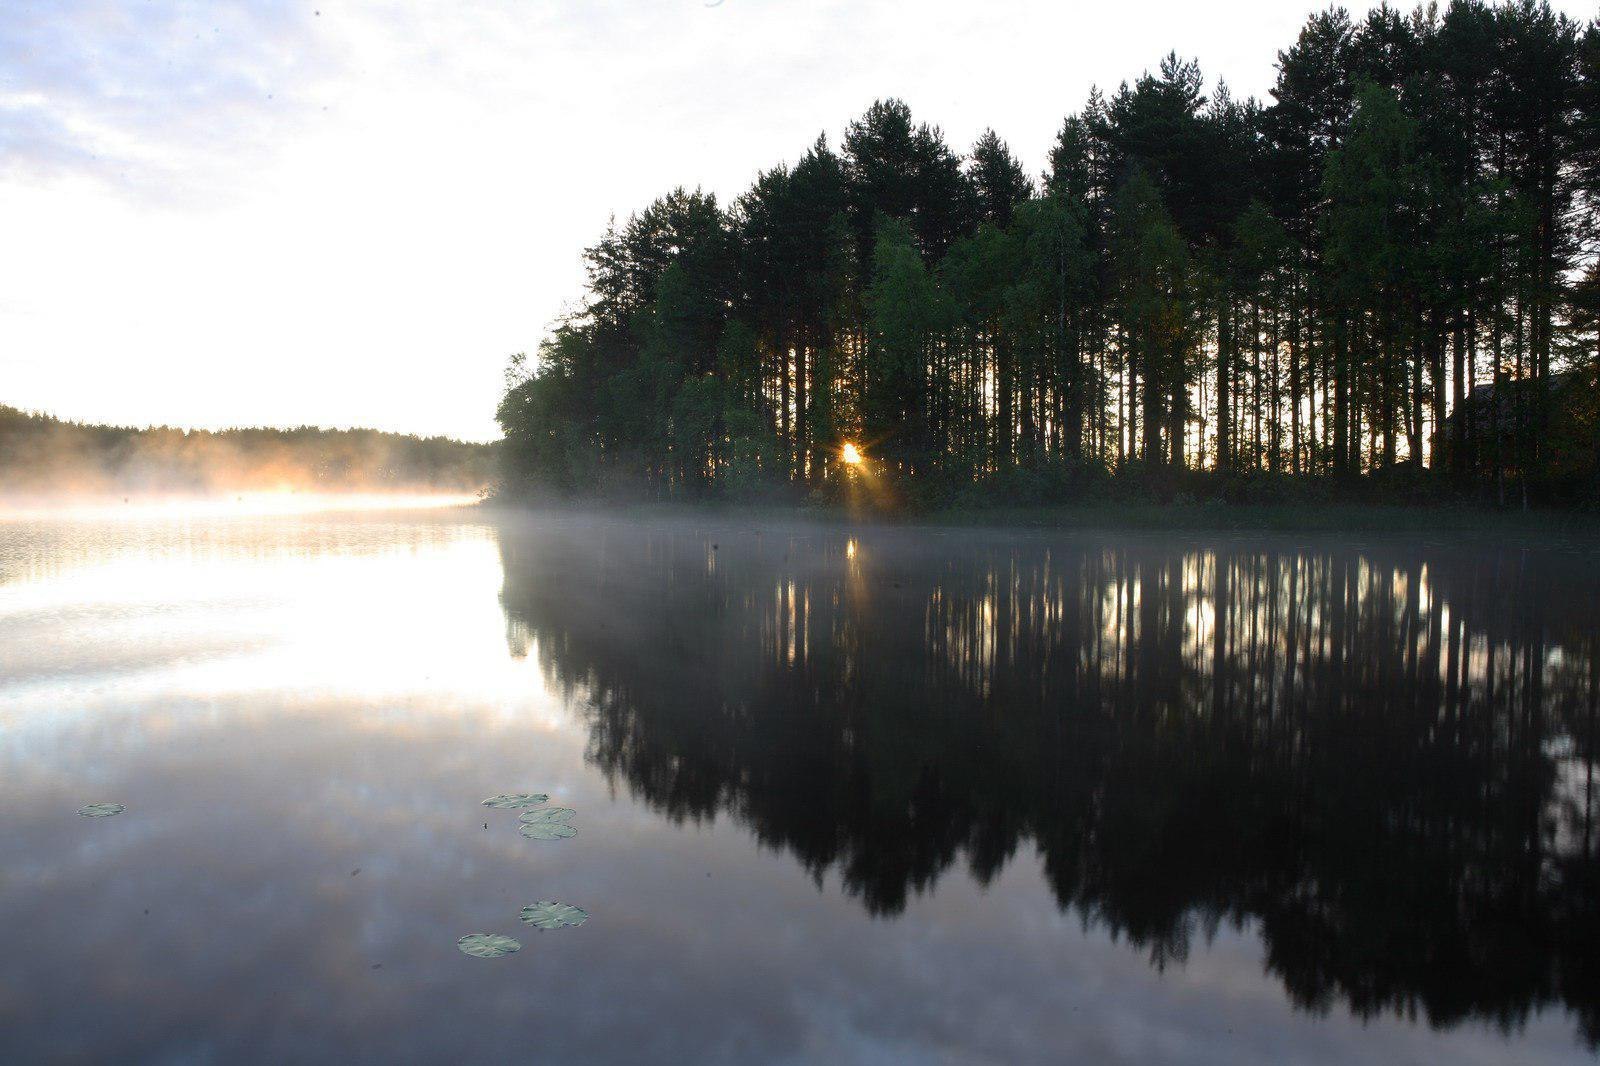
(865, 795)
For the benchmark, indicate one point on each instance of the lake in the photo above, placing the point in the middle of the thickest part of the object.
(843, 794)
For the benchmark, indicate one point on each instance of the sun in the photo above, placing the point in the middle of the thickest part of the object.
(850, 455)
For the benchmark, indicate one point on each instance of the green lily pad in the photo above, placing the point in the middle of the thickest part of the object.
(548, 915)
(487, 945)
(101, 810)
(548, 814)
(547, 830)
(514, 800)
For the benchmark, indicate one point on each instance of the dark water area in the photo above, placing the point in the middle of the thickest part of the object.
(843, 794)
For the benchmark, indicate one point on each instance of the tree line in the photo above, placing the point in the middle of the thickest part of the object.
(44, 456)
(1382, 275)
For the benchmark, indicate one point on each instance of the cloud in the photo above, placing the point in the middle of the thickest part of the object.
(158, 96)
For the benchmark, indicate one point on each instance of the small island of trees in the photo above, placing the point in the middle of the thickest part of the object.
(1383, 280)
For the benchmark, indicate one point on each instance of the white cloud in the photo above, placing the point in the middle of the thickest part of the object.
(136, 93)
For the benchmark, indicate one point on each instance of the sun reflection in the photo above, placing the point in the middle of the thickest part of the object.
(399, 626)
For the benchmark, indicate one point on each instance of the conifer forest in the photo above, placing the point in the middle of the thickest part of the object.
(1382, 278)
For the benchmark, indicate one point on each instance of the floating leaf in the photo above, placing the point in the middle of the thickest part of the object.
(548, 915)
(101, 810)
(487, 945)
(548, 814)
(513, 800)
(547, 830)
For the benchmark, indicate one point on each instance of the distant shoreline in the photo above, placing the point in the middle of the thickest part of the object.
(44, 458)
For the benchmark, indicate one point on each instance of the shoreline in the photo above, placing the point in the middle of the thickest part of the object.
(1532, 527)
(1108, 516)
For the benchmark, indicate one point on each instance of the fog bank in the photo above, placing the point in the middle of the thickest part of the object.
(44, 457)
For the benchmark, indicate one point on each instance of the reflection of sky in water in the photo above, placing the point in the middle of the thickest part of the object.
(284, 702)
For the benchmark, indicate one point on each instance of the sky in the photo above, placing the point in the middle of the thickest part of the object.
(351, 214)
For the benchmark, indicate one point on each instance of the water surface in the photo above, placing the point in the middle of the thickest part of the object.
(844, 794)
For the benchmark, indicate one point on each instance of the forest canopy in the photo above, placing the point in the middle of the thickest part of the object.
(43, 456)
(1384, 274)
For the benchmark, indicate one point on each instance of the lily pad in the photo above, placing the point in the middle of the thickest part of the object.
(548, 814)
(547, 830)
(513, 800)
(487, 945)
(548, 915)
(101, 810)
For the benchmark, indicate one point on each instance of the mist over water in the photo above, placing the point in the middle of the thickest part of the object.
(845, 793)
(46, 462)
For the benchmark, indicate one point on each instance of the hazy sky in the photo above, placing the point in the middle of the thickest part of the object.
(322, 211)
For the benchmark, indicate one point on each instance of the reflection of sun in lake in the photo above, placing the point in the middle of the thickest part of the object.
(391, 619)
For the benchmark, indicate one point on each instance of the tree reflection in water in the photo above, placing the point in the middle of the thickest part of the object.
(1381, 758)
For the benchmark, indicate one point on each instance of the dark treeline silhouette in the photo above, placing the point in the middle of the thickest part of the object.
(45, 456)
(1381, 761)
(1384, 275)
